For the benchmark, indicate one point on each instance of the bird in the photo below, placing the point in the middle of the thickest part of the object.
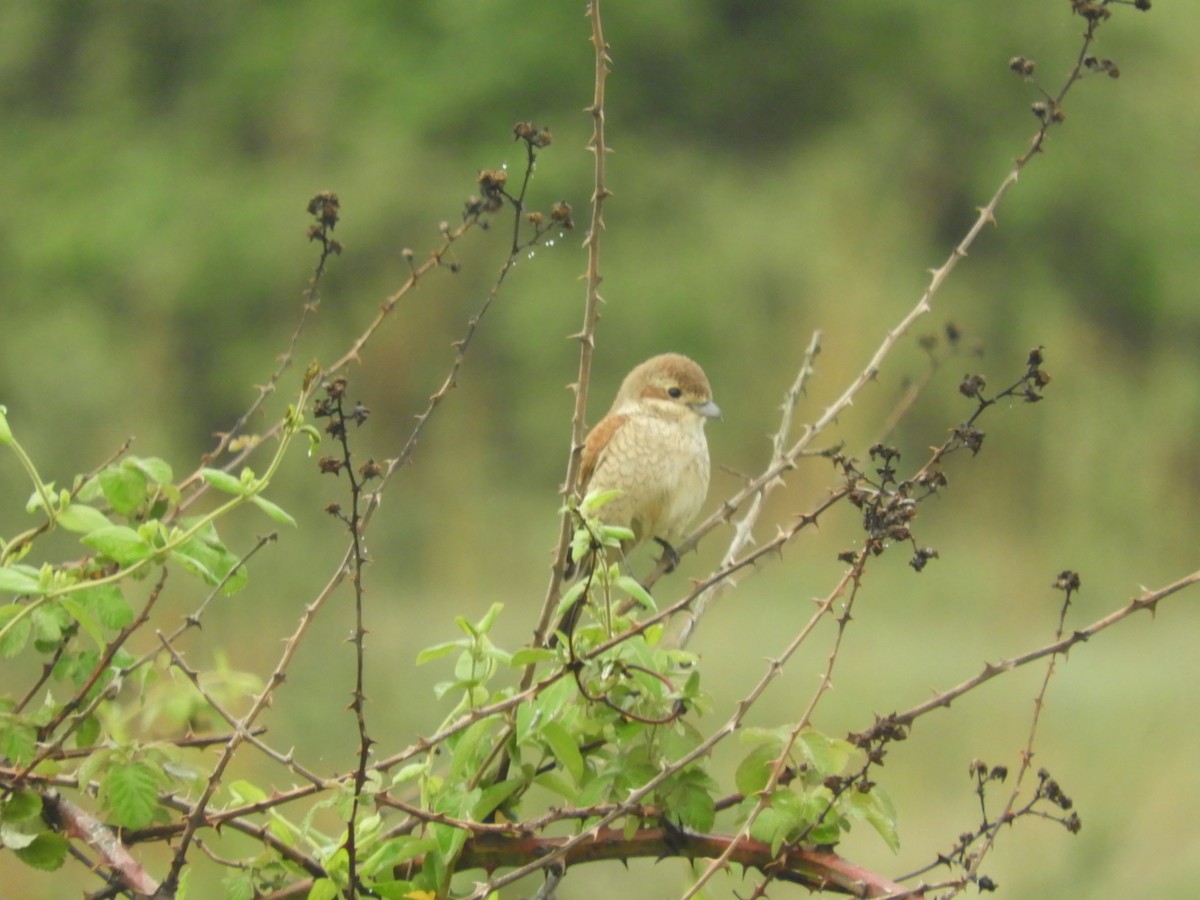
(651, 449)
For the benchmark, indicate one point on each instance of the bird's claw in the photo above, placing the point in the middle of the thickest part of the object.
(670, 554)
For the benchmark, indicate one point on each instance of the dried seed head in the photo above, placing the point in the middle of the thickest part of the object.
(1022, 66)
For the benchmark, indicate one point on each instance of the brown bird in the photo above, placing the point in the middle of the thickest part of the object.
(651, 448)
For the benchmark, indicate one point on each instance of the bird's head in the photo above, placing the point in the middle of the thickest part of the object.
(671, 384)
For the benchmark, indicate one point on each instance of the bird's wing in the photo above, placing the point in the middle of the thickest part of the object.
(595, 443)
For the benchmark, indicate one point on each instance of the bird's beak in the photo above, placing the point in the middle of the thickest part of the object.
(709, 410)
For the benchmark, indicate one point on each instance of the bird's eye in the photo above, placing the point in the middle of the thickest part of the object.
(675, 392)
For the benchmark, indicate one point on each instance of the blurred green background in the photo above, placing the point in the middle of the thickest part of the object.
(778, 168)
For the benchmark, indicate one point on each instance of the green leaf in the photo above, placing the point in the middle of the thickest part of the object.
(827, 832)
(636, 591)
(314, 438)
(15, 838)
(109, 605)
(467, 753)
(595, 501)
(47, 851)
(632, 824)
(615, 535)
(554, 780)
(754, 771)
(81, 518)
(438, 650)
(755, 735)
(560, 700)
(94, 763)
(88, 732)
(20, 580)
(409, 772)
(225, 482)
(689, 803)
(595, 791)
(119, 543)
(239, 885)
(367, 830)
(90, 490)
(14, 635)
(472, 668)
(21, 805)
(49, 620)
(198, 563)
(568, 599)
(785, 817)
(564, 749)
(877, 809)
(205, 555)
(392, 852)
(80, 612)
(277, 513)
(449, 838)
(484, 625)
(125, 488)
(496, 654)
(493, 797)
(244, 792)
(826, 755)
(37, 500)
(157, 470)
(528, 656)
(130, 790)
(18, 739)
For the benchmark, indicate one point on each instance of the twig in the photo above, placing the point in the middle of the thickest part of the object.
(326, 208)
(242, 726)
(1069, 585)
(449, 236)
(586, 336)
(1147, 600)
(938, 276)
(76, 822)
(743, 531)
(851, 577)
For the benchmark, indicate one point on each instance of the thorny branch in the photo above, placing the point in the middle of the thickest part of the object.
(586, 336)
(491, 845)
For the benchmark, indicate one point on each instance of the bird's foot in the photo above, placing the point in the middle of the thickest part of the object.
(670, 554)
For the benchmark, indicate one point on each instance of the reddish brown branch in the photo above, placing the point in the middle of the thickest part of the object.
(819, 870)
(76, 822)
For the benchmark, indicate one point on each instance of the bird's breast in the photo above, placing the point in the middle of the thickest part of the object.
(661, 468)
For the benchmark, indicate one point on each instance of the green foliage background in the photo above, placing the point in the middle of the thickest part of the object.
(778, 168)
